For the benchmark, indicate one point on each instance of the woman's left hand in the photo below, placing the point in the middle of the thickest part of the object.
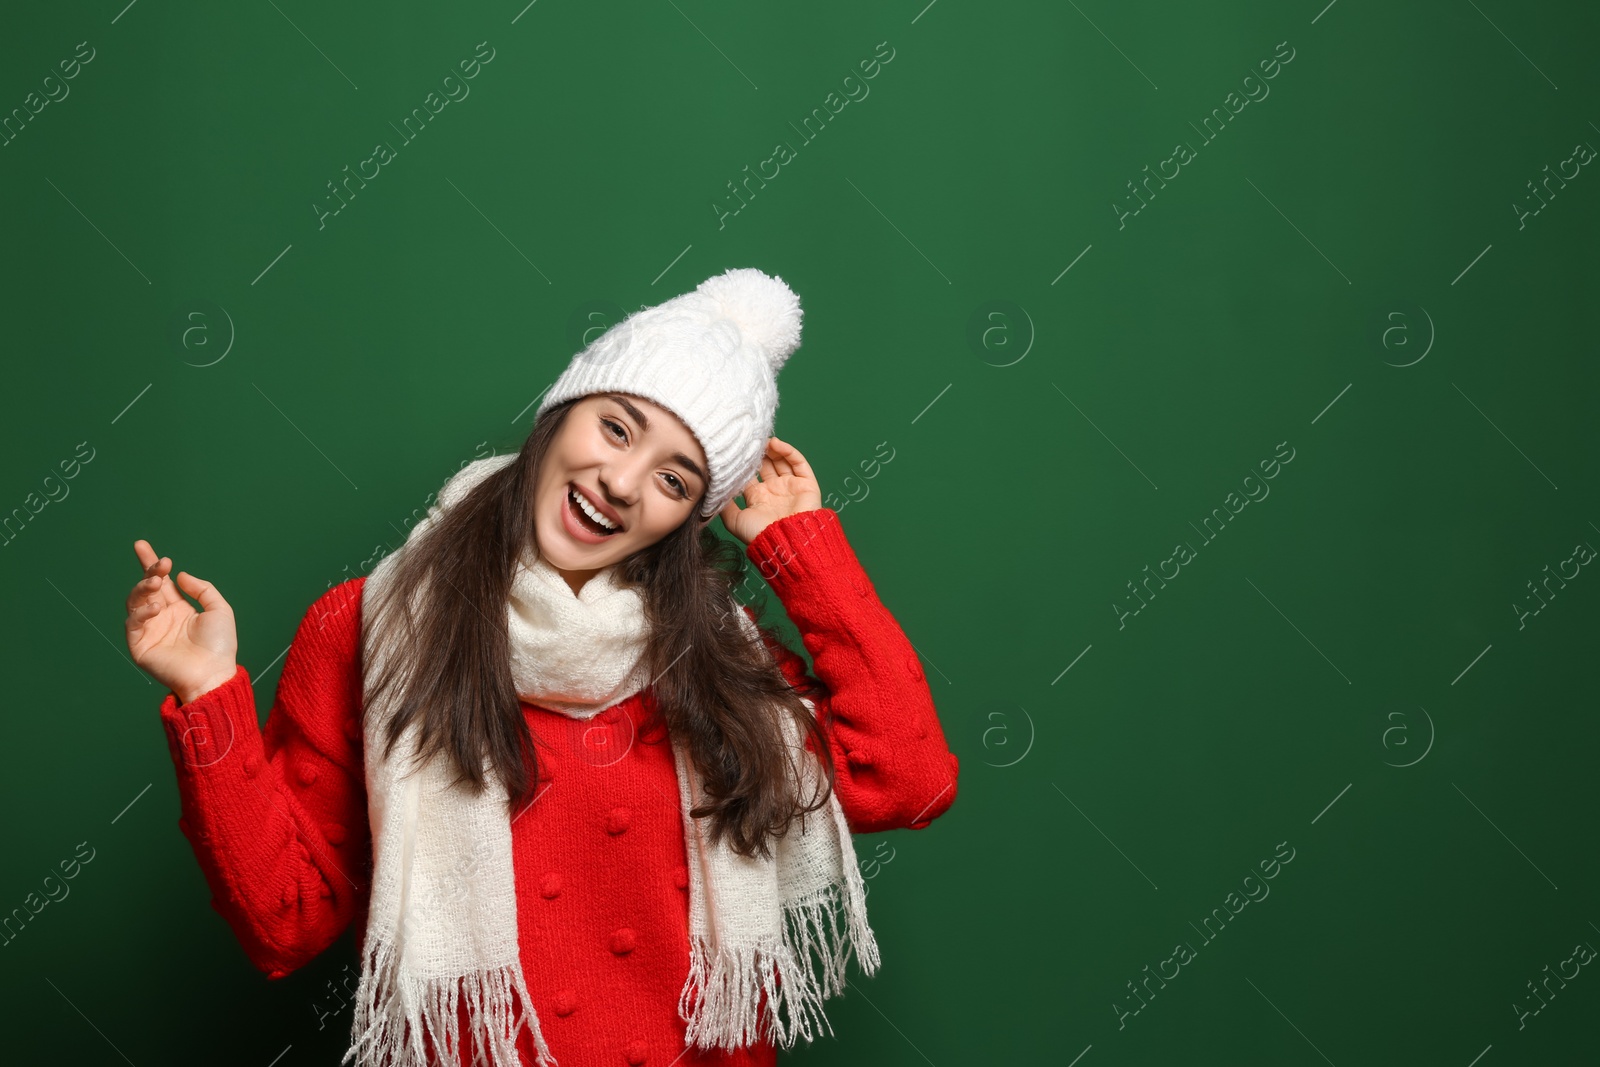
(784, 487)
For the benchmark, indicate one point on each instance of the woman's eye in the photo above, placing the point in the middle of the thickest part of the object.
(678, 487)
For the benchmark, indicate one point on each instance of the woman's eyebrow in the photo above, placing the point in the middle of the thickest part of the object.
(644, 424)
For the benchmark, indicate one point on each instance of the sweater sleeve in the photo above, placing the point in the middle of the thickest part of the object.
(277, 816)
(894, 768)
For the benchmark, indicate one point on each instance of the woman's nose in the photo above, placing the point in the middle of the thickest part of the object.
(619, 484)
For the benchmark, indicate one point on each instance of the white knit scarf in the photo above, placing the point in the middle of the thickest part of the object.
(443, 918)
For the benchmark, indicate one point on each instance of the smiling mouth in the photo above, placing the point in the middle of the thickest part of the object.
(577, 505)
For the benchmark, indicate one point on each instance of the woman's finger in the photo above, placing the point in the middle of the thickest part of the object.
(203, 591)
(150, 586)
(161, 573)
(775, 458)
(791, 456)
(768, 470)
(138, 615)
(786, 458)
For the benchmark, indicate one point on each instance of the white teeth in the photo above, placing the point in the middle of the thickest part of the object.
(589, 510)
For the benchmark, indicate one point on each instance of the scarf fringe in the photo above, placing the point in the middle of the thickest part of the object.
(741, 993)
(382, 1036)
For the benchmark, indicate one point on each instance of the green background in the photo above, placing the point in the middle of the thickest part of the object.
(1342, 271)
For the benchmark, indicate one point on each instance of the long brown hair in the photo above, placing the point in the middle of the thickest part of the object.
(712, 684)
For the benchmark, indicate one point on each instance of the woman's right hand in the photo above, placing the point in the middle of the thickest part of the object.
(189, 651)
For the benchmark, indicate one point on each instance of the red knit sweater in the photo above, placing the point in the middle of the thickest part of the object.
(277, 816)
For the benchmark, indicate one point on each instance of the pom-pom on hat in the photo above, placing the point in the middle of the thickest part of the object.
(712, 358)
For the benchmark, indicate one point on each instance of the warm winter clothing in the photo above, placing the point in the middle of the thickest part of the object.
(769, 936)
(279, 822)
(710, 356)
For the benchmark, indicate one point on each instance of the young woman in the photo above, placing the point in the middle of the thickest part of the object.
(609, 822)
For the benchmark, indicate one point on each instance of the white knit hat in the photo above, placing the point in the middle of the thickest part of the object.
(711, 357)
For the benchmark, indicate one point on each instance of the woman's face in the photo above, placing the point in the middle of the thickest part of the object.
(635, 463)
